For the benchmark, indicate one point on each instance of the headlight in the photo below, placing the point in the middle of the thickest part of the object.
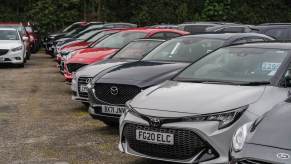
(240, 136)
(16, 49)
(225, 119)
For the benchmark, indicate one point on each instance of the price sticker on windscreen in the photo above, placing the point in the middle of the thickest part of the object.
(266, 66)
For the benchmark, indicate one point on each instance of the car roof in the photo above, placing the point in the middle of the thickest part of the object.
(153, 30)
(227, 36)
(270, 45)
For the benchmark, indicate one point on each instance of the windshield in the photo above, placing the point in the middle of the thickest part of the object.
(96, 37)
(136, 50)
(236, 65)
(86, 35)
(8, 35)
(120, 39)
(184, 49)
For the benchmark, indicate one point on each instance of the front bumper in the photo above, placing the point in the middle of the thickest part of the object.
(13, 57)
(218, 140)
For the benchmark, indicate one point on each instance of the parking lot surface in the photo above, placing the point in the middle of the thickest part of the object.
(39, 123)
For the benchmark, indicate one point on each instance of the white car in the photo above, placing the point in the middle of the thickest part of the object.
(12, 48)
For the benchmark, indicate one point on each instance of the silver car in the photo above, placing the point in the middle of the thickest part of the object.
(192, 118)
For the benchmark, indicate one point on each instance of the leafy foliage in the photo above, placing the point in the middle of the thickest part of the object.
(55, 14)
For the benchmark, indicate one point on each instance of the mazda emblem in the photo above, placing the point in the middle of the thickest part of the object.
(283, 156)
(88, 80)
(155, 122)
(114, 90)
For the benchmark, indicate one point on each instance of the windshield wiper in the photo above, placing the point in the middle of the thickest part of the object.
(256, 83)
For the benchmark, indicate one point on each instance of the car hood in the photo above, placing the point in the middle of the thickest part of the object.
(9, 44)
(76, 44)
(94, 52)
(274, 129)
(172, 99)
(96, 68)
(142, 73)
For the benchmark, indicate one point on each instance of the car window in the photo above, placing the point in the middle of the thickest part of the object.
(196, 29)
(234, 29)
(170, 35)
(87, 35)
(136, 50)
(184, 49)
(257, 39)
(159, 35)
(120, 39)
(278, 33)
(240, 41)
(8, 35)
(237, 65)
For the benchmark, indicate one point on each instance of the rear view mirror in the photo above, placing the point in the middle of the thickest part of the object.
(25, 38)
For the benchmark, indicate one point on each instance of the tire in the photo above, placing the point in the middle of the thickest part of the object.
(28, 54)
(86, 104)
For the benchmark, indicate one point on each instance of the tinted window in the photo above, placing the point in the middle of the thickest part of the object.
(170, 35)
(120, 39)
(236, 64)
(184, 49)
(234, 29)
(8, 35)
(159, 35)
(136, 50)
(240, 41)
(196, 29)
(280, 34)
(86, 35)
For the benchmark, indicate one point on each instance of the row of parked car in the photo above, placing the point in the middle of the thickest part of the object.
(211, 94)
(17, 42)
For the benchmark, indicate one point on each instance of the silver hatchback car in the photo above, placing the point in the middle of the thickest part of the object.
(192, 118)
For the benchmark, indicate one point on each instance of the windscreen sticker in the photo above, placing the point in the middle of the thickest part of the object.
(266, 66)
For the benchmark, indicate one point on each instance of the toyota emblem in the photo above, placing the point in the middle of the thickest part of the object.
(114, 90)
(88, 80)
(155, 122)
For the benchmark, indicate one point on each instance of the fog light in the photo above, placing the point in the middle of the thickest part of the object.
(18, 58)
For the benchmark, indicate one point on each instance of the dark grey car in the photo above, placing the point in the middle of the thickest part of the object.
(265, 141)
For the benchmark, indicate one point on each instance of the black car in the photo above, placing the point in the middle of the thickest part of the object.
(111, 89)
(265, 141)
(279, 31)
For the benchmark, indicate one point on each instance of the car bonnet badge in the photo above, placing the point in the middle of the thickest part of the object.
(283, 156)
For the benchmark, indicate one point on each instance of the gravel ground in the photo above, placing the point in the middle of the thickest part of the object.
(39, 123)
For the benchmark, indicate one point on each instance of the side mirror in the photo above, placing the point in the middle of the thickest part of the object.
(25, 38)
(288, 79)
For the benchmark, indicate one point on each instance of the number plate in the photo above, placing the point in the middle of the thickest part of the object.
(84, 88)
(155, 137)
(118, 110)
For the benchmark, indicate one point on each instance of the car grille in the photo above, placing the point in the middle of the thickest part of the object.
(187, 144)
(125, 93)
(248, 161)
(73, 67)
(83, 81)
(3, 51)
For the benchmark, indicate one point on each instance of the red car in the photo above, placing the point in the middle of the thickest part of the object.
(62, 56)
(110, 45)
(34, 36)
